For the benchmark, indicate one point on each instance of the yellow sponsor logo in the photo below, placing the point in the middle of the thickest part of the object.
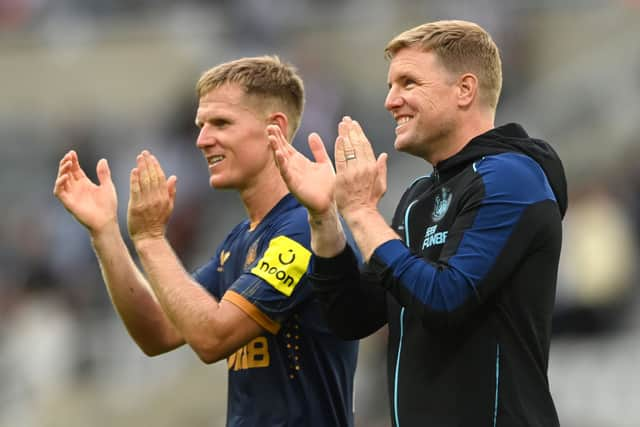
(253, 355)
(283, 264)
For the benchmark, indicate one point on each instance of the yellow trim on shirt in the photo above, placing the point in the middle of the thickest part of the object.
(252, 311)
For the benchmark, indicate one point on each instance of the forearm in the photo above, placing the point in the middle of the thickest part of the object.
(131, 295)
(369, 229)
(189, 306)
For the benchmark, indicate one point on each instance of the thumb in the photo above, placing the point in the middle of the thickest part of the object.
(172, 187)
(317, 148)
(381, 164)
(103, 171)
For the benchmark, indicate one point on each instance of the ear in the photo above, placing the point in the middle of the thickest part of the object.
(280, 119)
(467, 90)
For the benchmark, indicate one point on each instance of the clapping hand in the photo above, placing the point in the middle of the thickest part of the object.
(94, 206)
(361, 178)
(312, 183)
(151, 199)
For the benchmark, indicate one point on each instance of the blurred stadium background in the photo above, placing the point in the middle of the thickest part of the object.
(109, 78)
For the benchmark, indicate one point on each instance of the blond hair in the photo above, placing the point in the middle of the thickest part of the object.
(265, 78)
(461, 47)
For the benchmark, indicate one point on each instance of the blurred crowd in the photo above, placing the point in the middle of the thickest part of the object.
(109, 79)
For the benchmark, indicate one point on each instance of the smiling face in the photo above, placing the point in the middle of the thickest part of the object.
(422, 100)
(233, 138)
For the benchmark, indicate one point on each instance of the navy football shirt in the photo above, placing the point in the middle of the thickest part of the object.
(298, 373)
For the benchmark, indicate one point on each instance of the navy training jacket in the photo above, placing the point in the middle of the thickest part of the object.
(468, 292)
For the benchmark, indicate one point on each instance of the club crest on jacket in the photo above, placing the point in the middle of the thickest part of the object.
(441, 205)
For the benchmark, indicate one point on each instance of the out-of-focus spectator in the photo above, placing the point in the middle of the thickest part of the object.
(598, 266)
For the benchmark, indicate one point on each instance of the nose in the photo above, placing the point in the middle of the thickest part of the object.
(205, 137)
(393, 100)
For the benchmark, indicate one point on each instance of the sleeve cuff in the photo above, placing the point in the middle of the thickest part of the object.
(252, 311)
(390, 251)
(333, 267)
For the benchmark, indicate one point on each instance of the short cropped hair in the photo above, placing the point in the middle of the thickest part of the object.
(461, 47)
(264, 77)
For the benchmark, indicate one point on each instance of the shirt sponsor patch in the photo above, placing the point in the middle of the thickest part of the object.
(283, 264)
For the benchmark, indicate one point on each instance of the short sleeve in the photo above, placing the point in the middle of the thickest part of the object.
(276, 284)
(206, 276)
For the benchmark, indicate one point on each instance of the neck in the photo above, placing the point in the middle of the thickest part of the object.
(461, 135)
(260, 198)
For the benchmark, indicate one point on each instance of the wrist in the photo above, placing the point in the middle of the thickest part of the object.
(321, 219)
(106, 231)
(360, 216)
(327, 235)
(369, 229)
(144, 241)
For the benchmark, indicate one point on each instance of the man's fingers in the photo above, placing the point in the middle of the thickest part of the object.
(381, 164)
(65, 163)
(274, 136)
(360, 142)
(65, 159)
(338, 152)
(64, 175)
(278, 142)
(276, 146)
(150, 169)
(172, 187)
(103, 172)
(134, 184)
(65, 166)
(158, 171)
(354, 139)
(343, 133)
(318, 149)
(348, 142)
(281, 158)
(75, 169)
(142, 173)
(61, 185)
(148, 178)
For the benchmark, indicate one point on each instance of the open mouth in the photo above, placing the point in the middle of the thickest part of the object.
(402, 120)
(213, 160)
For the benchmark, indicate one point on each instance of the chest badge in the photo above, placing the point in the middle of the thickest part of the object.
(251, 254)
(441, 205)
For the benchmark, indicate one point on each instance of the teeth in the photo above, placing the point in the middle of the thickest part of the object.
(214, 159)
(403, 120)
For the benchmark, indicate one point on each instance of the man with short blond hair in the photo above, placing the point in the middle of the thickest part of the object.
(251, 303)
(460, 46)
(465, 276)
(266, 80)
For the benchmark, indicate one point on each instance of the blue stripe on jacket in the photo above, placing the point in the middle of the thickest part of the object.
(512, 182)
